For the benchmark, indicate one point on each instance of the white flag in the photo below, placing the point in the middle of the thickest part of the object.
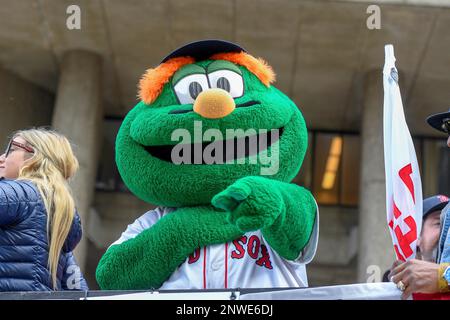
(403, 185)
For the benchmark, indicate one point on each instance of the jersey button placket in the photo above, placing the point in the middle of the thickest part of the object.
(215, 266)
(216, 261)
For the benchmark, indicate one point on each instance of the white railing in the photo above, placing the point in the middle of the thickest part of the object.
(362, 291)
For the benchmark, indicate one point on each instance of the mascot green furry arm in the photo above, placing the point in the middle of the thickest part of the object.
(218, 195)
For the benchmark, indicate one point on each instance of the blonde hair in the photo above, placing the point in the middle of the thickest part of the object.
(51, 166)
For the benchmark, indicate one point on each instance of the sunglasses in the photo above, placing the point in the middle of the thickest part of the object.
(446, 125)
(18, 145)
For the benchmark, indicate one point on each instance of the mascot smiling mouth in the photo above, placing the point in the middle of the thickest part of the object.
(219, 152)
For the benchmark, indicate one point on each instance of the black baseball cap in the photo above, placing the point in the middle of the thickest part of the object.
(203, 49)
(434, 203)
(437, 120)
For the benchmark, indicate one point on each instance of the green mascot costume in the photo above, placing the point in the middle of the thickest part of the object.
(215, 145)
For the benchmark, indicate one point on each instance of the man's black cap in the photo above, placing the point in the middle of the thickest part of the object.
(437, 120)
(203, 49)
(434, 203)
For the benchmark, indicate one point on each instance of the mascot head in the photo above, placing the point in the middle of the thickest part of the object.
(208, 116)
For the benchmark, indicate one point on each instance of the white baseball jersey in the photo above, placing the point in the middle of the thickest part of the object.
(247, 262)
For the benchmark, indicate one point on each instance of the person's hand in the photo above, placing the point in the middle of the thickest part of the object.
(394, 265)
(416, 275)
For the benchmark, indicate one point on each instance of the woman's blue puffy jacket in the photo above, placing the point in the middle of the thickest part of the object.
(24, 245)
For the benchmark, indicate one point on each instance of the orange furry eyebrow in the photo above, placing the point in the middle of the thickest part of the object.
(257, 66)
(153, 80)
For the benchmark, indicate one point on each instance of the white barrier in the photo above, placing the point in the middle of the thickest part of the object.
(155, 295)
(362, 291)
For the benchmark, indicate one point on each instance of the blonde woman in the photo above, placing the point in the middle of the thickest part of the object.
(39, 226)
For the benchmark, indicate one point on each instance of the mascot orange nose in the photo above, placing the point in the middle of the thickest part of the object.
(214, 104)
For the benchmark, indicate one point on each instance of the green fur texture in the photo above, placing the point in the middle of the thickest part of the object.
(284, 212)
(165, 184)
(251, 203)
(147, 260)
(216, 203)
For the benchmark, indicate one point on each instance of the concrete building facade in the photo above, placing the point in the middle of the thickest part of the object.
(80, 78)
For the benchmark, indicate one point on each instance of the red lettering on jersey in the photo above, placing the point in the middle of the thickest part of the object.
(240, 251)
(253, 250)
(194, 256)
(265, 259)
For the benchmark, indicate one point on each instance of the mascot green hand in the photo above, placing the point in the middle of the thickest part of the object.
(259, 203)
(215, 145)
(133, 259)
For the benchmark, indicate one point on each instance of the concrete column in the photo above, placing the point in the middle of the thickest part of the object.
(78, 115)
(375, 252)
(22, 105)
(430, 170)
